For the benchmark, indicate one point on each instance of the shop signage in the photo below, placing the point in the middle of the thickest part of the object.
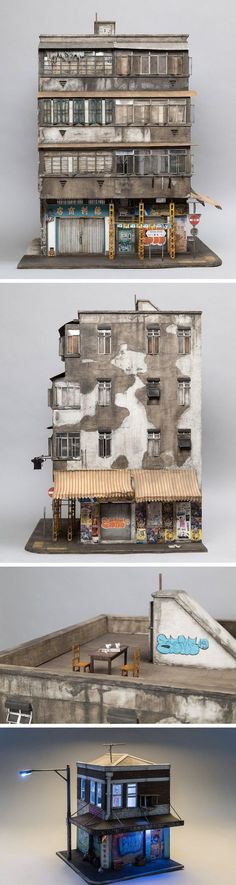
(181, 645)
(155, 236)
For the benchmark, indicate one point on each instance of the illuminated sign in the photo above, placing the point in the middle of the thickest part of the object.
(181, 645)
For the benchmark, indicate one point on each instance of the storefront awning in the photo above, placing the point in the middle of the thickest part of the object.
(201, 198)
(100, 484)
(94, 824)
(166, 485)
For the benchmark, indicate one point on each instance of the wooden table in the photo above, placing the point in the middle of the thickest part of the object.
(108, 656)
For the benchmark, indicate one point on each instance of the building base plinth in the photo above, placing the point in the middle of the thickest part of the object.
(41, 542)
(198, 256)
(130, 871)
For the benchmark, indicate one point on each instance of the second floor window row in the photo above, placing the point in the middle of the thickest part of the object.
(158, 161)
(123, 112)
(68, 444)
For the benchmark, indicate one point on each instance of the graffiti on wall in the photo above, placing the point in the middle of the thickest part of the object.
(180, 645)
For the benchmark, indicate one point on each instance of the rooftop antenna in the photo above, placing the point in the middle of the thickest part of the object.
(110, 747)
(160, 583)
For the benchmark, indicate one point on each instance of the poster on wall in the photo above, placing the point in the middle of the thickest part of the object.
(168, 521)
(89, 522)
(83, 841)
(183, 520)
(127, 846)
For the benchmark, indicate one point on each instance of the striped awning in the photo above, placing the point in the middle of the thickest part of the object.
(166, 485)
(100, 484)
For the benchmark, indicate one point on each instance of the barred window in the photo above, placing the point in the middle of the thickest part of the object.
(153, 340)
(77, 63)
(154, 443)
(99, 162)
(184, 387)
(68, 446)
(104, 444)
(184, 340)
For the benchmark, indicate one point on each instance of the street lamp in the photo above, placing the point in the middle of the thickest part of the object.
(65, 777)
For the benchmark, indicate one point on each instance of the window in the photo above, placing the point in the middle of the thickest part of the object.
(153, 340)
(60, 111)
(131, 795)
(116, 795)
(67, 396)
(104, 393)
(73, 342)
(153, 388)
(141, 112)
(154, 443)
(92, 792)
(68, 446)
(104, 341)
(184, 386)
(125, 162)
(184, 340)
(60, 164)
(123, 65)
(149, 63)
(124, 112)
(78, 112)
(177, 112)
(99, 795)
(83, 788)
(148, 801)
(104, 444)
(95, 111)
(46, 112)
(184, 439)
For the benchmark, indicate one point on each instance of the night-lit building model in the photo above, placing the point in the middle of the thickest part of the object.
(126, 430)
(123, 819)
(115, 153)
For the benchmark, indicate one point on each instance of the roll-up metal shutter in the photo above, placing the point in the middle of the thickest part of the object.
(80, 235)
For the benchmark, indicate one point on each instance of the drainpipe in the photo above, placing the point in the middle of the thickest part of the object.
(108, 802)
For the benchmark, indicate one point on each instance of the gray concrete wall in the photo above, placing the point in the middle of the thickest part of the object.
(45, 648)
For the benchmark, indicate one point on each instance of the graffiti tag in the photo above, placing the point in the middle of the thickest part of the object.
(181, 645)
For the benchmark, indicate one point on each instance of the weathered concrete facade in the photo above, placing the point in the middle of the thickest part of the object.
(114, 118)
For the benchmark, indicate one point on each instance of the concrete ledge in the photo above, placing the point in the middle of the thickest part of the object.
(203, 257)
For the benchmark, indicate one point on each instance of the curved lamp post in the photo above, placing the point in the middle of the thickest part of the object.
(64, 773)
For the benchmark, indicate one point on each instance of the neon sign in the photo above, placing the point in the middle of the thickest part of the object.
(181, 645)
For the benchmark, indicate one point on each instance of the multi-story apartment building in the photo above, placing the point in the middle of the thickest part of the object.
(123, 819)
(115, 158)
(126, 427)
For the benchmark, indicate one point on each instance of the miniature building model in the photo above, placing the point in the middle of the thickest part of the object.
(115, 160)
(126, 427)
(123, 819)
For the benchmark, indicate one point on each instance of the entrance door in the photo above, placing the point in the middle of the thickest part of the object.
(116, 522)
(80, 236)
(183, 521)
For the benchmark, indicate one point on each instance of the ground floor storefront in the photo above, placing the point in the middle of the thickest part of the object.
(121, 849)
(125, 507)
(123, 228)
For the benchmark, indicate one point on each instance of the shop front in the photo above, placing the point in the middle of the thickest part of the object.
(146, 849)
